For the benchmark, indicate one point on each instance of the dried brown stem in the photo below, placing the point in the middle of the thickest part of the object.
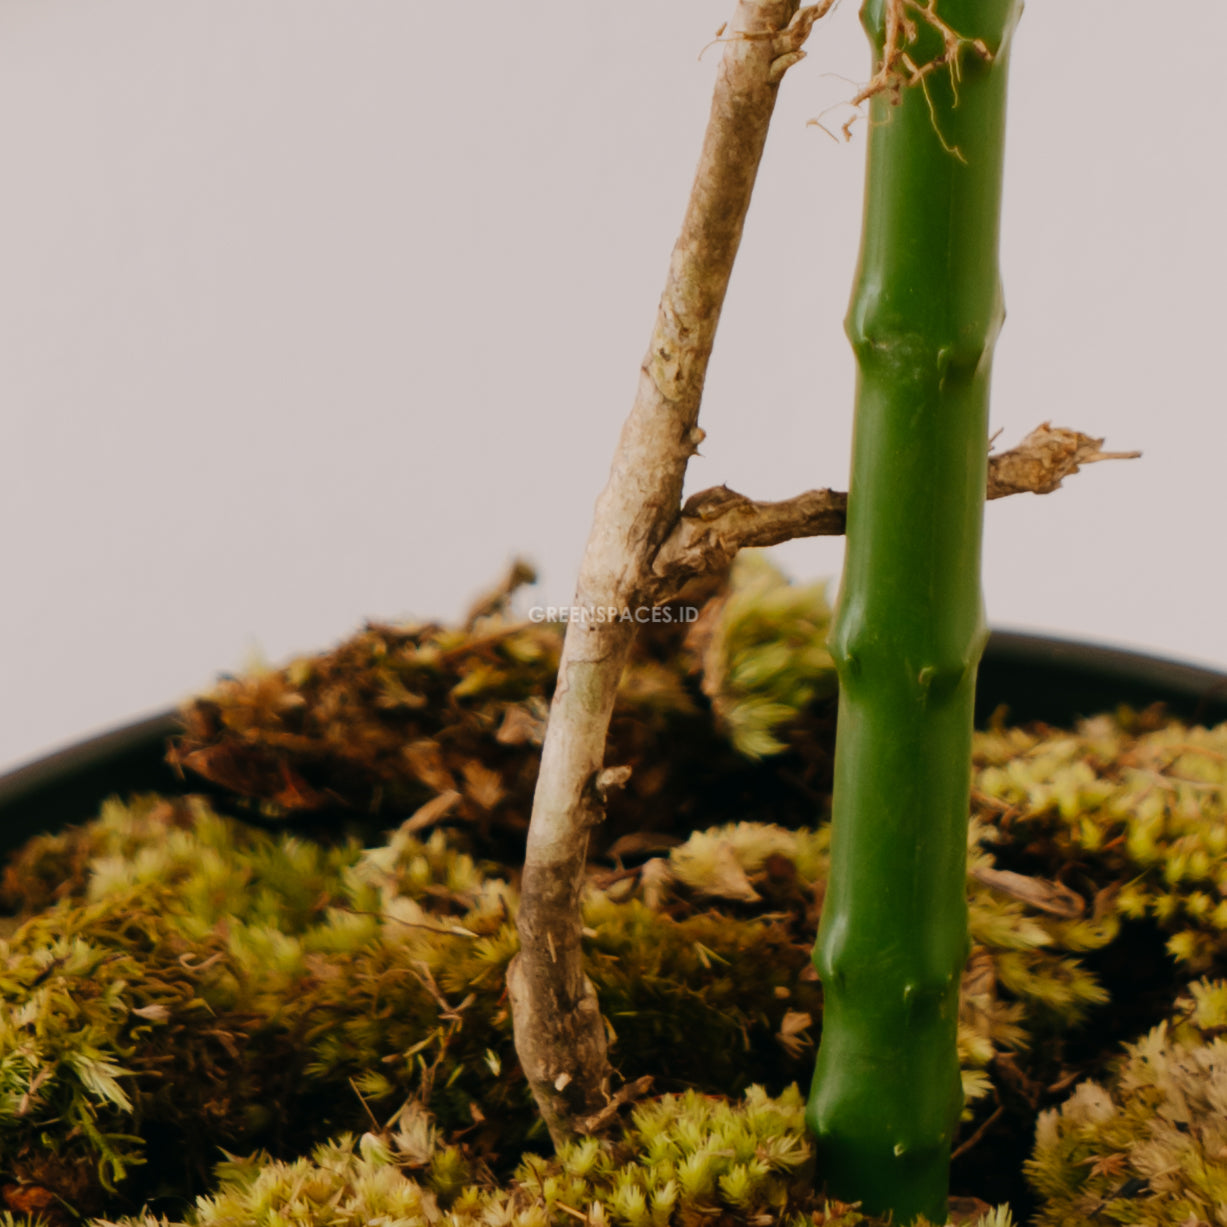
(979, 1133)
(714, 524)
(559, 1033)
(618, 1100)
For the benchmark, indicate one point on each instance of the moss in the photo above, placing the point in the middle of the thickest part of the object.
(1023, 976)
(180, 981)
(106, 1026)
(696, 1000)
(215, 981)
(1150, 1145)
(210, 981)
(682, 1160)
(1139, 809)
(766, 663)
(221, 983)
(216, 984)
(401, 717)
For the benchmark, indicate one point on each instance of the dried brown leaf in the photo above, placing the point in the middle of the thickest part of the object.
(1049, 897)
(1044, 459)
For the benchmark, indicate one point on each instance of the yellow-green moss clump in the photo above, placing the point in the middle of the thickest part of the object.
(1023, 975)
(222, 986)
(215, 986)
(766, 663)
(1132, 812)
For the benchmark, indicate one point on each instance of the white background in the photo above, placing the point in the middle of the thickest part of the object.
(318, 311)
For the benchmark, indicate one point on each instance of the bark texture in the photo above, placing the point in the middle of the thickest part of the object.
(559, 1032)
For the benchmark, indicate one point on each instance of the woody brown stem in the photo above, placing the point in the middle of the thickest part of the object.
(715, 524)
(559, 1033)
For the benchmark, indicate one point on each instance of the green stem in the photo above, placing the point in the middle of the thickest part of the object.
(909, 629)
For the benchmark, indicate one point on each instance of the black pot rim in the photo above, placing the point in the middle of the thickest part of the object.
(1056, 680)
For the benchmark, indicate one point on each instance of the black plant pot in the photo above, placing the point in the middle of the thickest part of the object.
(69, 785)
(1059, 680)
(1036, 678)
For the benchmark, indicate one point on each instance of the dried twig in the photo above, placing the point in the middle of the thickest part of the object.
(714, 524)
(965, 1146)
(1039, 893)
(622, 1096)
(559, 1034)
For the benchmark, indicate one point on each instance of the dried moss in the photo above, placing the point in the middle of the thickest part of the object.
(1150, 1146)
(397, 718)
(390, 718)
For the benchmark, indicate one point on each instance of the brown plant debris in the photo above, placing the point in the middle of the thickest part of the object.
(394, 719)
(432, 726)
(497, 601)
(1047, 456)
(715, 524)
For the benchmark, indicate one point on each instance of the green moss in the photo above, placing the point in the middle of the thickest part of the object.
(217, 982)
(214, 982)
(766, 662)
(1022, 976)
(1140, 810)
(219, 985)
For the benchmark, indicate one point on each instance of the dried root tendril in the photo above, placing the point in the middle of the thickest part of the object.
(898, 70)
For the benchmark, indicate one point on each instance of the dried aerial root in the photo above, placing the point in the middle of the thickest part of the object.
(898, 70)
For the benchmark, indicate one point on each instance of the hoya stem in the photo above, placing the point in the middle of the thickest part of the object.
(909, 628)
